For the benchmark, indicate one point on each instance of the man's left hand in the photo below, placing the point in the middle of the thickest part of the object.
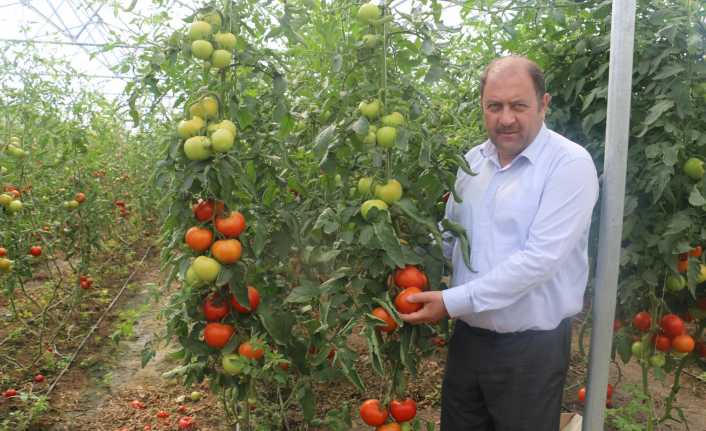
(432, 311)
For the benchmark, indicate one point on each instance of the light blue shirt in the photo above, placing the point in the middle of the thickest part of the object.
(528, 223)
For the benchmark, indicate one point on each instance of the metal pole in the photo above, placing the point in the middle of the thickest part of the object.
(612, 202)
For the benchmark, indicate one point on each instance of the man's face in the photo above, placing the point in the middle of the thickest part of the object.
(511, 111)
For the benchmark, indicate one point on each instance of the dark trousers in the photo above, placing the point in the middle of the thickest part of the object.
(505, 382)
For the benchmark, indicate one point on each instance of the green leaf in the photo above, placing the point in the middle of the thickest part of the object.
(279, 85)
(657, 110)
(695, 197)
(360, 126)
(307, 401)
(460, 233)
(324, 139)
(304, 293)
(679, 222)
(668, 71)
(389, 241)
(278, 324)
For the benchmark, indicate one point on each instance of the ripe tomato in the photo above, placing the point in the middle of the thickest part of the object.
(35, 251)
(232, 225)
(696, 251)
(227, 251)
(672, 325)
(662, 343)
(246, 349)
(373, 413)
(382, 314)
(10, 393)
(683, 343)
(394, 426)
(410, 276)
(39, 378)
(609, 392)
(162, 414)
(215, 308)
(617, 324)
(80, 197)
(186, 422)
(253, 298)
(404, 306)
(642, 321)
(216, 335)
(403, 411)
(198, 238)
(3, 252)
(203, 210)
(582, 394)
(181, 409)
(137, 404)
(682, 265)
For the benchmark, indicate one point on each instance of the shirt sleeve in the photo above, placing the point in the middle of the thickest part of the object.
(448, 239)
(563, 216)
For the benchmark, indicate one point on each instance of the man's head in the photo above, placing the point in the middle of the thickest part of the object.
(514, 103)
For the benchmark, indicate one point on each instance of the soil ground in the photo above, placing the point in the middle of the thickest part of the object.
(99, 397)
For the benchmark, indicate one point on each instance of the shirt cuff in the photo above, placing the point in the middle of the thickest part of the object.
(457, 301)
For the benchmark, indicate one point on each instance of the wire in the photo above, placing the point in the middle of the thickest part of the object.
(99, 45)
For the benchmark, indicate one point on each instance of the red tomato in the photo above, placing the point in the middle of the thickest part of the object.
(216, 335)
(249, 351)
(198, 238)
(662, 343)
(232, 225)
(215, 308)
(404, 306)
(683, 344)
(609, 393)
(3, 252)
(137, 404)
(181, 409)
(394, 426)
(672, 325)
(642, 321)
(403, 411)
(253, 298)
(80, 197)
(410, 276)
(10, 393)
(382, 314)
(162, 414)
(372, 412)
(35, 251)
(682, 266)
(582, 394)
(39, 378)
(696, 251)
(186, 422)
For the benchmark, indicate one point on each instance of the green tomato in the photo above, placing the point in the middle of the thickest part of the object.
(222, 140)
(364, 185)
(369, 12)
(636, 348)
(202, 49)
(5, 264)
(386, 136)
(675, 283)
(658, 360)
(200, 30)
(390, 192)
(196, 396)
(188, 128)
(232, 364)
(198, 148)
(5, 199)
(15, 206)
(206, 268)
(221, 58)
(225, 40)
(393, 120)
(376, 203)
(694, 168)
(370, 109)
(371, 40)
(191, 278)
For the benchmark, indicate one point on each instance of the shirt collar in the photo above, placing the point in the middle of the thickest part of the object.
(531, 153)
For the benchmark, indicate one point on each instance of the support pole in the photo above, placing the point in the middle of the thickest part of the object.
(612, 202)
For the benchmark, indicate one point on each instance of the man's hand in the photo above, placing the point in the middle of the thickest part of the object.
(432, 311)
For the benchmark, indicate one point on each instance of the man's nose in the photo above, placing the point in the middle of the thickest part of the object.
(507, 117)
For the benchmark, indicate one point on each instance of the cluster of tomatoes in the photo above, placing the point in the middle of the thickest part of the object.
(10, 200)
(670, 335)
(402, 411)
(79, 198)
(184, 422)
(609, 395)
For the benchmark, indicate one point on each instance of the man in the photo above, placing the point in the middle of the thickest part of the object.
(527, 213)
